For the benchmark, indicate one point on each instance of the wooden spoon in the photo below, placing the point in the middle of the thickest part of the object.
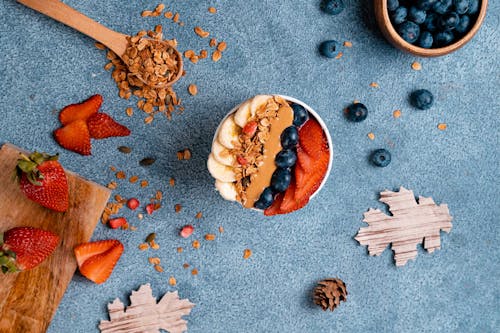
(115, 41)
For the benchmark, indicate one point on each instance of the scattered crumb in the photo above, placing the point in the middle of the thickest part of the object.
(133, 179)
(194, 271)
(144, 183)
(396, 113)
(416, 66)
(121, 175)
(185, 265)
(213, 42)
(199, 215)
(180, 249)
(221, 229)
(371, 136)
(356, 101)
(216, 56)
(143, 246)
(176, 17)
(193, 89)
(154, 260)
(442, 126)
(189, 53)
(374, 85)
(129, 112)
(222, 46)
(132, 228)
(172, 281)
(112, 185)
(155, 246)
(158, 268)
(178, 208)
(339, 55)
(169, 15)
(212, 10)
(200, 32)
(347, 44)
(196, 244)
(140, 216)
(172, 182)
(209, 237)
(112, 168)
(247, 253)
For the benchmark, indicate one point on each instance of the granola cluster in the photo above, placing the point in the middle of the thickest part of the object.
(154, 60)
(250, 150)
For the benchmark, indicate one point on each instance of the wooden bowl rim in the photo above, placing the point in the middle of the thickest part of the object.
(437, 51)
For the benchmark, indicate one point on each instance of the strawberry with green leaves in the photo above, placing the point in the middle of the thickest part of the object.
(43, 180)
(24, 248)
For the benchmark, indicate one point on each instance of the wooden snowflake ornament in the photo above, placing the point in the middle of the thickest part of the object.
(411, 223)
(144, 315)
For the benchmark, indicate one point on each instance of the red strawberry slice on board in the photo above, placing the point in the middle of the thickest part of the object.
(274, 209)
(96, 260)
(102, 126)
(312, 138)
(24, 248)
(43, 180)
(80, 111)
(75, 137)
(308, 183)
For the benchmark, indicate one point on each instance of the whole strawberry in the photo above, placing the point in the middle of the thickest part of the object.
(24, 248)
(43, 180)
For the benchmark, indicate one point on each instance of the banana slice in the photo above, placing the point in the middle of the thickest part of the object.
(243, 113)
(229, 132)
(220, 171)
(226, 190)
(258, 101)
(222, 154)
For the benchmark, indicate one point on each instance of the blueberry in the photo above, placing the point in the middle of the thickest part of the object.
(430, 23)
(333, 7)
(300, 115)
(448, 21)
(443, 38)
(442, 6)
(473, 7)
(281, 180)
(425, 40)
(289, 137)
(417, 15)
(399, 15)
(409, 31)
(381, 157)
(265, 200)
(392, 5)
(329, 48)
(357, 112)
(461, 6)
(422, 99)
(425, 4)
(463, 24)
(285, 158)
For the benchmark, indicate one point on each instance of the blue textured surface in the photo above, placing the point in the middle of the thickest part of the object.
(272, 48)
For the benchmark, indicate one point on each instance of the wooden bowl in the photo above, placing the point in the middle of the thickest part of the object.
(385, 24)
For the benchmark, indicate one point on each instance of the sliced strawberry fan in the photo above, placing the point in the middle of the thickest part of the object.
(82, 121)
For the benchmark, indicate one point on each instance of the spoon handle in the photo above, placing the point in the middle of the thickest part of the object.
(65, 14)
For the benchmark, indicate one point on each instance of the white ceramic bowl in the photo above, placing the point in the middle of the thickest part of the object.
(314, 114)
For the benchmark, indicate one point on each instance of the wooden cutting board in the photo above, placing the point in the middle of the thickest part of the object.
(28, 300)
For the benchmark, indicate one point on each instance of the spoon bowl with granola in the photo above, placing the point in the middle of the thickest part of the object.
(271, 153)
(154, 61)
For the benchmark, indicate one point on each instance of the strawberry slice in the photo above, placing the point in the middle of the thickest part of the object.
(75, 137)
(308, 183)
(86, 250)
(312, 138)
(24, 248)
(305, 161)
(274, 209)
(98, 266)
(80, 111)
(102, 126)
(290, 203)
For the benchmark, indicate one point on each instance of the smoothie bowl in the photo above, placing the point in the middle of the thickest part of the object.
(271, 153)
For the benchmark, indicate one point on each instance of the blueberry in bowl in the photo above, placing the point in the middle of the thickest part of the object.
(429, 28)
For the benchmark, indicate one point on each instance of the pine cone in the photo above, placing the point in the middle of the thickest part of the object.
(329, 293)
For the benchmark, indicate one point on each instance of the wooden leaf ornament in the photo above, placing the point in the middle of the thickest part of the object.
(145, 315)
(411, 223)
